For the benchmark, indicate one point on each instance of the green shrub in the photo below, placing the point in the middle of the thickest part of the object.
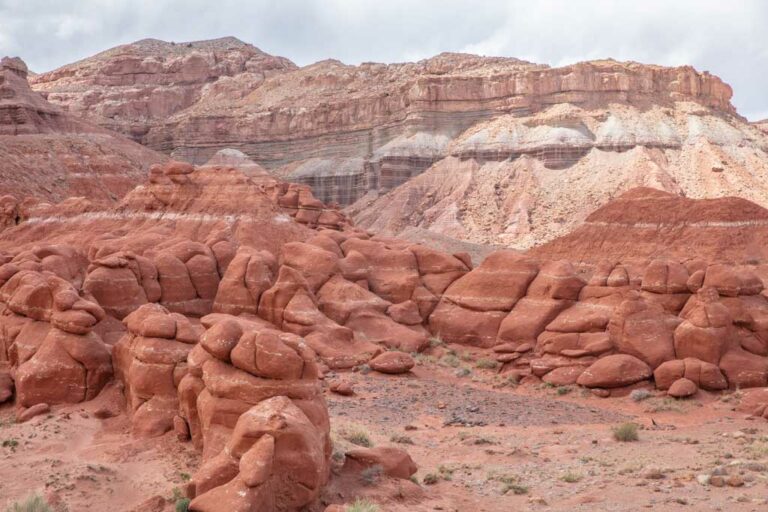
(182, 505)
(34, 503)
(625, 432)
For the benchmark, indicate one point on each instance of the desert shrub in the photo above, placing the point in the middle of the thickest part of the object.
(400, 439)
(487, 364)
(450, 360)
(356, 435)
(571, 477)
(515, 488)
(436, 341)
(361, 505)
(430, 479)
(638, 395)
(625, 432)
(665, 404)
(34, 503)
(182, 505)
(563, 390)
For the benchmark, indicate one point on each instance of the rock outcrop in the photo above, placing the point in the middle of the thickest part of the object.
(48, 339)
(252, 401)
(645, 223)
(52, 155)
(481, 143)
(133, 88)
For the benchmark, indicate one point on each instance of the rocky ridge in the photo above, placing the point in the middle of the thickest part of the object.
(219, 317)
(51, 155)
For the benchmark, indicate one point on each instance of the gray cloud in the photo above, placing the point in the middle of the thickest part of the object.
(729, 39)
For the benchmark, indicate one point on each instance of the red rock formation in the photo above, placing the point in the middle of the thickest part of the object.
(151, 360)
(647, 223)
(493, 134)
(135, 87)
(51, 154)
(48, 339)
(252, 402)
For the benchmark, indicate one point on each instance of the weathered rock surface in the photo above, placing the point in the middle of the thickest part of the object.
(485, 140)
(52, 155)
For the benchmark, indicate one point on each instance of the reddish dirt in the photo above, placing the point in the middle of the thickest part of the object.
(557, 450)
(528, 437)
(80, 462)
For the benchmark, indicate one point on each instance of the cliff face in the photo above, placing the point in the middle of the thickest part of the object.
(483, 149)
(522, 180)
(343, 129)
(48, 153)
(135, 87)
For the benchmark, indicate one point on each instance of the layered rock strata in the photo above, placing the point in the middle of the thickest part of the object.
(52, 155)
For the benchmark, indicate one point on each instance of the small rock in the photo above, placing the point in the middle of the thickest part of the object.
(682, 388)
(602, 393)
(105, 412)
(392, 362)
(31, 412)
(181, 428)
(717, 481)
(735, 481)
(341, 387)
(653, 473)
(703, 479)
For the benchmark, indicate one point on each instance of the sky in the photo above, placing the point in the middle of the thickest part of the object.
(726, 38)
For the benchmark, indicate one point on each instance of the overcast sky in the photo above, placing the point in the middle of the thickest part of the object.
(727, 38)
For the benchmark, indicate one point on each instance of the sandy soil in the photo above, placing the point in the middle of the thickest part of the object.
(485, 440)
(80, 462)
(488, 444)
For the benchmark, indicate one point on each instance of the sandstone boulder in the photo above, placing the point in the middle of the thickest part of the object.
(392, 363)
(614, 371)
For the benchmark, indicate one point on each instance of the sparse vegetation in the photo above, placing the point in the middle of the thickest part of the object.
(436, 341)
(182, 505)
(450, 360)
(400, 439)
(34, 503)
(571, 477)
(361, 505)
(638, 395)
(463, 372)
(563, 390)
(515, 488)
(446, 472)
(509, 483)
(185, 477)
(10, 443)
(371, 475)
(356, 435)
(664, 405)
(626, 432)
(430, 479)
(487, 364)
